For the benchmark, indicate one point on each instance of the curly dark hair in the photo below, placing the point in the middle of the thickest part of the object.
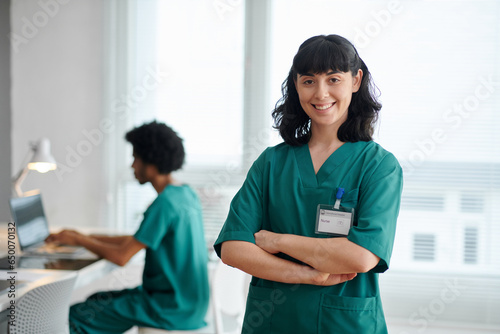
(320, 54)
(157, 144)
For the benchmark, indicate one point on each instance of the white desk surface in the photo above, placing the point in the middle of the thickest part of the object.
(36, 277)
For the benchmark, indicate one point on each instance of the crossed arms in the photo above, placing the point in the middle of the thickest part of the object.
(328, 261)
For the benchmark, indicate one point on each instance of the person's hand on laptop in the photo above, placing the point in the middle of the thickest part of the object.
(65, 237)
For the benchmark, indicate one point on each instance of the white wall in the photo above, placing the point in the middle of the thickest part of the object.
(5, 112)
(57, 65)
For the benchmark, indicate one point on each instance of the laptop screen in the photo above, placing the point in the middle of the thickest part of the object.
(32, 226)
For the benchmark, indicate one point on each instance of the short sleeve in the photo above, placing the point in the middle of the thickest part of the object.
(246, 209)
(154, 225)
(378, 209)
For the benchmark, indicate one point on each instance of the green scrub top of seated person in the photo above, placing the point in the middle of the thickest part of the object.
(175, 271)
(174, 293)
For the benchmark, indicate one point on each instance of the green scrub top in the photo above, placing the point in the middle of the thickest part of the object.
(281, 194)
(175, 278)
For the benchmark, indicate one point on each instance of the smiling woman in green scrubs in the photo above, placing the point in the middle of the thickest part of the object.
(315, 219)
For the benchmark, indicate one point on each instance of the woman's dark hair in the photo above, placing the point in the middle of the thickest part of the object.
(321, 54)
(157, 144)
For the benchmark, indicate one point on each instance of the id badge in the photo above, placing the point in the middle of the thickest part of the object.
(334, 219)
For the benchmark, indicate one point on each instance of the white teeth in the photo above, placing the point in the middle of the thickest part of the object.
(323, 107)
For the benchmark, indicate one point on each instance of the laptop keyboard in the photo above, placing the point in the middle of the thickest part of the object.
(51, 248)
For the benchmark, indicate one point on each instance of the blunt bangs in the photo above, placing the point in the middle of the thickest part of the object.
(321, 54)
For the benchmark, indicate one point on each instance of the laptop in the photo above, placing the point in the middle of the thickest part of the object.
(32, 228)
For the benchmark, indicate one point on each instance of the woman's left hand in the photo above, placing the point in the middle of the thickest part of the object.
(267, 241)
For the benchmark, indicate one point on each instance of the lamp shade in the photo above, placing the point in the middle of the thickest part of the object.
(42, 160)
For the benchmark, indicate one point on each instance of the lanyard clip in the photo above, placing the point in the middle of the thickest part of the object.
(340, 193)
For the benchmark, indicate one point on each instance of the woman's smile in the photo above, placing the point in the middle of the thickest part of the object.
(323, 107)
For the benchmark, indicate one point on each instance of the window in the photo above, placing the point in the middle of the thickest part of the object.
(186, 68)
(423, 202)
(471, 203)
(424, 247)
(470, 245)
(203, 93)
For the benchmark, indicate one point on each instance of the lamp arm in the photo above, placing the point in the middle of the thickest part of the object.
(21, 175)
(18, 180)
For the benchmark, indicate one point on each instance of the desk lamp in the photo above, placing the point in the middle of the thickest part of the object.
(41, 161)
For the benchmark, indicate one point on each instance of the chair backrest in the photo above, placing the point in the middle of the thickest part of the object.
(44, 309)
(229, 291)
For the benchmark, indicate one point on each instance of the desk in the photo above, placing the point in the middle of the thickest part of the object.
(33, 278)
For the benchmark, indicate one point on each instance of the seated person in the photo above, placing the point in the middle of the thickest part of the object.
(174, 292)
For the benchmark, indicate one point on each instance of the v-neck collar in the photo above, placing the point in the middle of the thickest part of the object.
(306, 168)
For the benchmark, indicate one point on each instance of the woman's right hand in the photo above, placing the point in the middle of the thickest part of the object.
(326, 279)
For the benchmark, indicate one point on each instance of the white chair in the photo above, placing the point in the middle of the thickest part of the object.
(44, 309)
(228, 287)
